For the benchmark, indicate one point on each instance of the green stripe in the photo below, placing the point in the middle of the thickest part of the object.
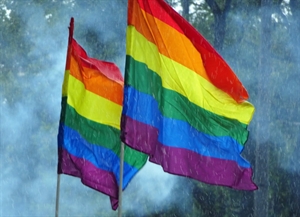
(99, 134)
(176, 106)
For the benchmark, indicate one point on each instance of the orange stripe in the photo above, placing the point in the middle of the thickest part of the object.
(96, 82)
(217, 70)
(168, 40)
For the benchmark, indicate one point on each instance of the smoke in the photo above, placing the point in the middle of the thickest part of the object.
(150, 191)
(30, 109)
(281, 129)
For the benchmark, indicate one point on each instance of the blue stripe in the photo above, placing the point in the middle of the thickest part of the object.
(177, 133)
(101, 157)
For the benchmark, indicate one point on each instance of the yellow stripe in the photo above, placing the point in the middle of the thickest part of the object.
(93, 106)
(183, 80)
(65, 83)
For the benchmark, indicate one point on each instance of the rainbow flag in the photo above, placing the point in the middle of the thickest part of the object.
(89, 129)
(183, 105)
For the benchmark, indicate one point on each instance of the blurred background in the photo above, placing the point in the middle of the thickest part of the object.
(259, 39)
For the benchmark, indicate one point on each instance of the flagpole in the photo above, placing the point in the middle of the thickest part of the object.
(57, 195)
(71, 30)
(121, 180)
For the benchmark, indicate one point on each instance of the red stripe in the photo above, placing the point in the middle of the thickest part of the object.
(217, 69)
(108, 69)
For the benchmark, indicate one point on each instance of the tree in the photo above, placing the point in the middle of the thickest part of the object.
(262, 151)
(220, 16)
(186, 9)
(259, 39)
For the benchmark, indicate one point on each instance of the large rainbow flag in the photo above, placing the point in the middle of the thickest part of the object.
(183, 105)
(89, 130)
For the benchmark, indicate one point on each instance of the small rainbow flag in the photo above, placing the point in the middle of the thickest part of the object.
(89, 129)
(183, 105)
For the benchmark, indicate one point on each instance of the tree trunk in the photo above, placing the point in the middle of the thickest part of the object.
(261, 201)
(220, 16)
(186, 8)
(294, 29)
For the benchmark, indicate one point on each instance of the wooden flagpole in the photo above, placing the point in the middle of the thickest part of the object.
(121, 180)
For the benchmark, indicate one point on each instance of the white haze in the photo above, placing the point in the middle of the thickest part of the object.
(29, 149)
(29, 162)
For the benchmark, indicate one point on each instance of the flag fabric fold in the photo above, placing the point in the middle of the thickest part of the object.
(183, 105)
(89, 129)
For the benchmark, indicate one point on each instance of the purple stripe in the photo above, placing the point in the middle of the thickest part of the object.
(185, 162)
(91, 176)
